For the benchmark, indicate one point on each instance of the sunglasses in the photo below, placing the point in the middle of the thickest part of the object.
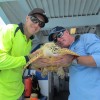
(35, 20)
(59, 35)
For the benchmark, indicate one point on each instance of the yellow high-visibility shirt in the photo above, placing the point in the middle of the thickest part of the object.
(12, 52)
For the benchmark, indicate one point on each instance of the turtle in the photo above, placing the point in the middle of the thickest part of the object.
(51, 52)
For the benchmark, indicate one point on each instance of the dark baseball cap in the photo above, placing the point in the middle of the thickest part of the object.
(40, 12)
(56, 29)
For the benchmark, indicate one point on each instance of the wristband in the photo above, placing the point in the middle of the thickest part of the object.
(27, 58)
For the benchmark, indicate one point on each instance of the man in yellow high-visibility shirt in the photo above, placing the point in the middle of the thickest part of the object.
(15, 46)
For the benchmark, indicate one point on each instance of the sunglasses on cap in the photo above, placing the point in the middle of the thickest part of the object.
(35, 20)
(59, 35)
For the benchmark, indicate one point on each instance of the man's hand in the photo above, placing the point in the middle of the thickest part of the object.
(47, 62)
(65, 60)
